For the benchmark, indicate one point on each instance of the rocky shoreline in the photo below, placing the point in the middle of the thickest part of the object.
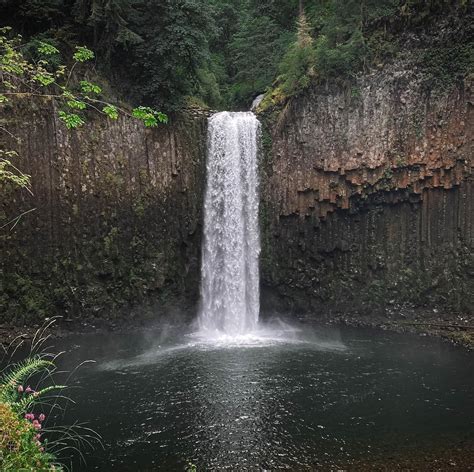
(455, 329)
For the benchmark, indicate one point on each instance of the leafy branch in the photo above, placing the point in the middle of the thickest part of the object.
(20, 76)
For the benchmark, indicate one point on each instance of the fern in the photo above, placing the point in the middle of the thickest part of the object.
(20, 372)
(26, 402)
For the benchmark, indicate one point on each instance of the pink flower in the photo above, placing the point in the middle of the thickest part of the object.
(20, 388)
(41, 417)
(38, 437)
(29, 416)
(36, 424)
(28, 389)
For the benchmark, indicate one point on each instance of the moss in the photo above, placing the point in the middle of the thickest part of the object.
(445, 65)
(274, 98)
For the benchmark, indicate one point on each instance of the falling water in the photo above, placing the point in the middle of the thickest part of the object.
(231, 247)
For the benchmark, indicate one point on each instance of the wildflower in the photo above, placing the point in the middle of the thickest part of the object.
(41, 417)
(38, 437)
(28, 389)
(36, 424)
(29, 416)
(20, 388)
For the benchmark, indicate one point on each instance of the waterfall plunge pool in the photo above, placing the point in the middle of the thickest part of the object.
(304, 398)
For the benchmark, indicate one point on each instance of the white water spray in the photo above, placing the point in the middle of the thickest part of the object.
(230, 275)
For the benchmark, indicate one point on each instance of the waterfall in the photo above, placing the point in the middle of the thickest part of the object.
(230, 274)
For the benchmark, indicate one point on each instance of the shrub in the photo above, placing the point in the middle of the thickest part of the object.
(21, 443)
(24, 443)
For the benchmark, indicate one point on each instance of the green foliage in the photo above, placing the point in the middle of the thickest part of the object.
(297, 67)
(21, 445)
(9, 173)
(20, 77)
(256, 49)
(76, 104)
(169, 53)
(341, 60)
(88, 87)
(251, 40)
(47, 49)
(149, 117)
(174, 48)
(17, 375)
(82, 54)
(107, 22)
(341, 46)
(111, 111)
(26, 386)
(445, 65)
(71, 120)
(417, 12)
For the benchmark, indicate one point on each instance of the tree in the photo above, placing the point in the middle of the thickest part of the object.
(255, 50)
(297, 67)
(176, 33)
(109, 22)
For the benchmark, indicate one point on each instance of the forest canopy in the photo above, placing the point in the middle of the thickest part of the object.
(219, 53)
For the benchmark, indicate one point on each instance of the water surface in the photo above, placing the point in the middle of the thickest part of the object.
(161, 399)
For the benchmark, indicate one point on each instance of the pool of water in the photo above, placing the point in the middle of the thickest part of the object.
(287, 398)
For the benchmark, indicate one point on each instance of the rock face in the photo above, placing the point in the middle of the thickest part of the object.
(368, 196)
(366, 200)
(117, 220)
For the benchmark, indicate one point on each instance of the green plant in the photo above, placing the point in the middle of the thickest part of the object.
(24, 439)
(20, 447)
(22, 77)
(21, 444)
(298, 66)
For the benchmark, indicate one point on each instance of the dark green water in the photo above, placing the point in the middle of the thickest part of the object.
(161, 400)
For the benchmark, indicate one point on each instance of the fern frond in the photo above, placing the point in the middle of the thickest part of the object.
(26, 402)
(18, 374)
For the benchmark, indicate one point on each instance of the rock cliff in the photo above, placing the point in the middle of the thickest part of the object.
(117, 220)
(367, 194)
(366, 199)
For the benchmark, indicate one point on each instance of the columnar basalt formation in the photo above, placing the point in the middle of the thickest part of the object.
(117, 220)
(368, 197)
